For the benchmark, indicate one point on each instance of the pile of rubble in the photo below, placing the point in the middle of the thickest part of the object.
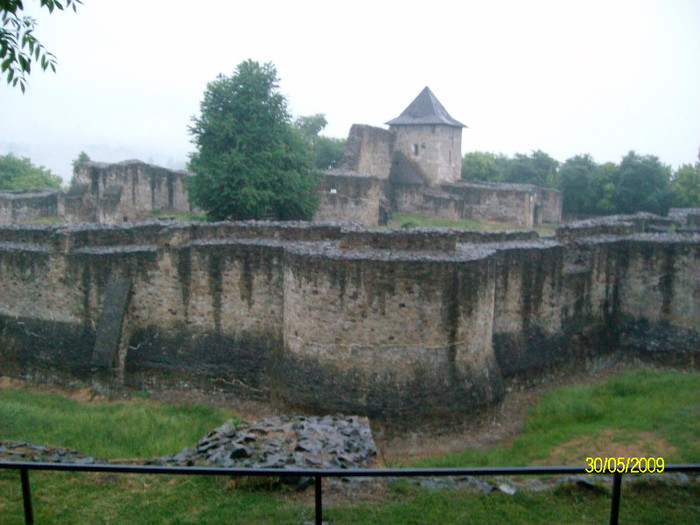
(297, 442)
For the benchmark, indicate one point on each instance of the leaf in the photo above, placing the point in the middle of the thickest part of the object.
(24, 63)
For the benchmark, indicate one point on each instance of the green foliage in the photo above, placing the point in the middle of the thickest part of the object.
(538, 168)
(326, 151)
(79, 161)
(639, 183)
(20, 174)
(607, 177)
(642, 185)
(579, 184)
(483, 166)
(685, 186)
(587, 187)
(19, 47)
(250, 162)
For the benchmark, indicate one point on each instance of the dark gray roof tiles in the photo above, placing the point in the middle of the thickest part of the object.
(425, 109)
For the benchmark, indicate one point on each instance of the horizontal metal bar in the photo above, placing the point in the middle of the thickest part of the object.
(337, 473)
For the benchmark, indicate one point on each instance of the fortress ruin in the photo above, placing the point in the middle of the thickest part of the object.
(412, 167)
(330, 316)
(334, 318)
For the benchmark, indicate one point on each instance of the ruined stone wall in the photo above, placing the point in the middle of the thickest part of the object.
(368, 151)
(126, 191)
(551, 202)
(419, 200)
(510, 203)
(349, 198)
(23, 207)
(436, 149)
(386, 323)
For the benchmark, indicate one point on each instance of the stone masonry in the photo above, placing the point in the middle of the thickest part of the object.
(339, 319)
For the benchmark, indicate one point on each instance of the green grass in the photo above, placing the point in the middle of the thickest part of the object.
(636, 408)
(176, 215)
(622, 411)
(406, 220)
(61, 498)
(133, 429)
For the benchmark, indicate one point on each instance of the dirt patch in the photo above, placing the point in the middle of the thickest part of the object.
(496, 425)
(80, 394)
(608, 444)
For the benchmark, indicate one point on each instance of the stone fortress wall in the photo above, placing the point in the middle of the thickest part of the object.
(412, 167)
(333, 318)
(102, 193)
(373, 154)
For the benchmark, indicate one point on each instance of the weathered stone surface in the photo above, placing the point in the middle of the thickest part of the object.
(342, 320)
(288, 442)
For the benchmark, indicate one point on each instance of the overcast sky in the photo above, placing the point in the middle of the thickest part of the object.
(566, 77)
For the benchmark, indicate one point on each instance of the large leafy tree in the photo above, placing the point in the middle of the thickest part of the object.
(685, 186)
(538, 168)
(19, 47)
(483, 166)
(250, 162)
(326, 151)
(579, 185)
(20, 174)
(642, 185)
(606, 179)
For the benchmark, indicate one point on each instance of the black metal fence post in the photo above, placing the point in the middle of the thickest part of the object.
(615, 505)
(319, 500)
(26, 496)
(24, 467)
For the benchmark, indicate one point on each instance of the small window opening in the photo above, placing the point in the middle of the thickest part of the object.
(415, 149)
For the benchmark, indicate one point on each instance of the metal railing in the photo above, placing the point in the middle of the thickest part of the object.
(318, 475)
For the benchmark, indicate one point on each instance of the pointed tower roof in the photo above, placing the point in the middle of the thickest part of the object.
(425, 109)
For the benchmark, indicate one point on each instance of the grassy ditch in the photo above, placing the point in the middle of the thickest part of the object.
(138, 428)
(643, 411)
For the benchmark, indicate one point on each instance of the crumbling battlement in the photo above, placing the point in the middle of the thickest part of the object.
(333, 318)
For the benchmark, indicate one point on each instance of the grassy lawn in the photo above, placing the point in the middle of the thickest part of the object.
(406, 220)
(644, 411)
(139, 428)
(176, 215)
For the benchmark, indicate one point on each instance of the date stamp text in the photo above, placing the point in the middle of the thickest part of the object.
(623, 465)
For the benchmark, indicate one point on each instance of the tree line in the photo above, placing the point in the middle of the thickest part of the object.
(637, 183)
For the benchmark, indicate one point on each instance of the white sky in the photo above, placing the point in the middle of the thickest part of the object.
(567, 77)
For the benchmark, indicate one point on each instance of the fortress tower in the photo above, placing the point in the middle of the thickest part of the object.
(430, 138)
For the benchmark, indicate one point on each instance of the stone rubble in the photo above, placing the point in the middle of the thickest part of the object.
(329, 442)
(291, 442)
